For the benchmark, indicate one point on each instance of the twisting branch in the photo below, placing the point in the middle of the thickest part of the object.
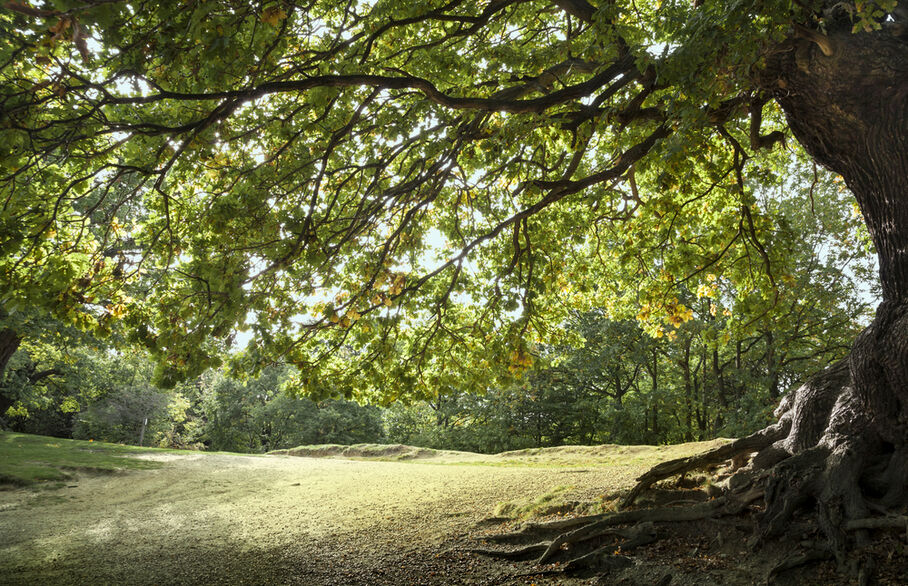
(424, 86)
(739, 162)
(820, 40)
(578, 8)
(756, 121)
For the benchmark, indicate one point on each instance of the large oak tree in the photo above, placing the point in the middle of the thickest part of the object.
(398, 196)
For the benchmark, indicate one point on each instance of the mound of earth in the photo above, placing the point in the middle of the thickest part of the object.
(369, 451)
(599, 454)
(610, 450)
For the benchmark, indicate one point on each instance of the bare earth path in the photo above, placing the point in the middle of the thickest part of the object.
(230, 519)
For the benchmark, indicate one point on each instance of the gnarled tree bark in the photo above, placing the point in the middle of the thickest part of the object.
(840, 445)
(9, 343)
(849, 109)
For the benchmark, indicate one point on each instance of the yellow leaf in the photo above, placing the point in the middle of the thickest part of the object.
(273, 15)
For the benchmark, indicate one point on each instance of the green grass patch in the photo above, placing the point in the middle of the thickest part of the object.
(550, 503)
(558, 501)
(380, 452)
(28, 460)
(557, 457)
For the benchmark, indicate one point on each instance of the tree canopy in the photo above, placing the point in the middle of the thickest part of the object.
(394, 196)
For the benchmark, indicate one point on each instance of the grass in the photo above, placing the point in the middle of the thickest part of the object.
(34, 460)
(549, 503)
(29, 460)
(607, 462)
(556, 457)
(348, 516)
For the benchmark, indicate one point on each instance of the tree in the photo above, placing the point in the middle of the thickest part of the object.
(56, 372)
(405, 196)
(125, 414)
(256, 415)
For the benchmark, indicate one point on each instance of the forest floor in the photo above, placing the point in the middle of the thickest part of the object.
(389, 515)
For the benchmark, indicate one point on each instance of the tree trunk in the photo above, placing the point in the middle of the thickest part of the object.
(772, 368)
(9, 343)
(655, 436)
(688, 392)
(850, 111)
(848, 439)
(654, 376)
(142, 431)
(721, 393)
(619, 391)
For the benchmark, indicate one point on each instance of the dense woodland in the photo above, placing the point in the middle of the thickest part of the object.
(618, 385)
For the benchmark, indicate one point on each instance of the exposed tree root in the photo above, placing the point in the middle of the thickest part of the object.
(645, 518)
(636, 536)
(752, 443)
(524, 552)
(529, 529)
(821, 469)
(796, 561)
(896, 522)
(600, 559)
(642, 531)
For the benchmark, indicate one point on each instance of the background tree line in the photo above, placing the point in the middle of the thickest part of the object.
(715, 366)
(717, 370)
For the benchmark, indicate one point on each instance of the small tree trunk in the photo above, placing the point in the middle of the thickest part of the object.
(9, 343)
(619, 391)
(700, 411)
(655, 421)
(721, 393)
(142, 432)
(654, 375)
(772, 369)
(688, 394)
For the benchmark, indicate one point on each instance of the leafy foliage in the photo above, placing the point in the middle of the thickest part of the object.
(256, 415)
(718, 370)
(57, 372)
(395, 197)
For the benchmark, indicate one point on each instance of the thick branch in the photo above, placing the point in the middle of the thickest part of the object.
(578, 8)
(426, 87)
(9, 343)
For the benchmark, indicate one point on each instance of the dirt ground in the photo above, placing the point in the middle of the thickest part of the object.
(230, 519)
